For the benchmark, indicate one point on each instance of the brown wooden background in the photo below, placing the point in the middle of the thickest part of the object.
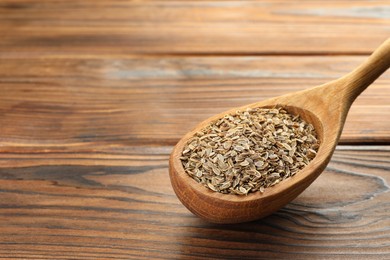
(94, 94)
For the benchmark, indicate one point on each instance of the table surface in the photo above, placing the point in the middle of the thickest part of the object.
(94, 95)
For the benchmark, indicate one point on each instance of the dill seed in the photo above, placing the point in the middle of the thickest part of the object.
(250, 150)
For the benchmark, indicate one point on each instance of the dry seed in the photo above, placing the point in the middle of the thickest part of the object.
(227, 145)
(243, 190)
(311, 153)
(211, 186)
(250, 150)
(244, 163)
(259, 164)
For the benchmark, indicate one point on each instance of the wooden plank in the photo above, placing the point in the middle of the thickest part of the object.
(88, 206)
(204, 27)
(63, 101)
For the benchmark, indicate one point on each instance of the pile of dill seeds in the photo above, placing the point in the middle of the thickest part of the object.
(250, 150)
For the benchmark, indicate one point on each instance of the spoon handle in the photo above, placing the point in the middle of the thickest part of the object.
(355, 82)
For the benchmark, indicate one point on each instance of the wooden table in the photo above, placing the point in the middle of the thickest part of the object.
(94, 94)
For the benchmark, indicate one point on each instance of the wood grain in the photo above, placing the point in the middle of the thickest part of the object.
(94, 94)
(111, 208)
(88, 101)
(205, 27)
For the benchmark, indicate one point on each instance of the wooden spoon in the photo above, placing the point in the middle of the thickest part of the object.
(325, 107)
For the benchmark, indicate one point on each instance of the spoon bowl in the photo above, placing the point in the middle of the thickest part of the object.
(325, 107)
